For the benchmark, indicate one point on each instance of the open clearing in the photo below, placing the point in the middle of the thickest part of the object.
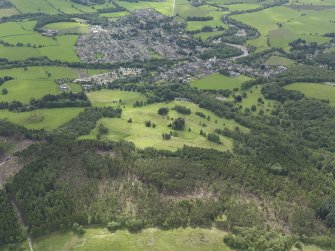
(282, 25)
(64, 27)
(33, 82)
(218, 81)
(313, 90)
(277, 60)
(33, 44)
(144, 136)
(151, 239)
(182, 239)
(48, 119)
(8, 12)
(252, 99)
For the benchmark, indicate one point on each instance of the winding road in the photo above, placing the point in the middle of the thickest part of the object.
(242, 48)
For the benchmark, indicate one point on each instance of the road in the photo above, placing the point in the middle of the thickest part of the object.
(242, 48)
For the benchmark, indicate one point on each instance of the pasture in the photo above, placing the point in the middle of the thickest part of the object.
(181, 239)
(196, 239)
(164, 7)
(112, 98)
(55, 6)
(66, 27)
(143, 136)
(48, 119)
(33, 44)
(64, 50)
(279, 26)
(277, 60)
(252, 99)
(8, 12)
(218, 81)
(314, 90)
(34, 82)
(115, 14)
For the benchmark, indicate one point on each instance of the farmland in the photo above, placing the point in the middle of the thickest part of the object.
(149, 239)
(219, 81)
(65, 27)
(314, 90)
(34, 82)
(34, 44)
(48, 119)
(277, 60)
(282, 25)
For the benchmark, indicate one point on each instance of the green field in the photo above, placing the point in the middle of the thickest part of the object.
(33, 82)
(242, 7)
(65, 27)
(143, 136)
(59, 48)
(208, 11)
(252, 99)
(164, 7)
(183, 239)
(115, 14)
(282, 25)
(218, 81)
(313, 90)
(277, 60)
(98, 239)
(55, 6)
(8, 12)
(64, 50)
(48, 119)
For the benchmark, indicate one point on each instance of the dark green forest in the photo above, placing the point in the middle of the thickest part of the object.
(278, 182)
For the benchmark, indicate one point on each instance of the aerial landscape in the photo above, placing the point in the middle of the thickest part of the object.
(167, 125)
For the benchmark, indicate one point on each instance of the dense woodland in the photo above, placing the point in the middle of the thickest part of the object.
(275, 189)
(283, 167)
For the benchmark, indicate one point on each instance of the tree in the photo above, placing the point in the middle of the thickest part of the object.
(113, 226)
(135, 225)
(78, 229)
(4, 91)
(178, 124)
(148, 123)
(163, 111)
(214, 138)
(102, 129)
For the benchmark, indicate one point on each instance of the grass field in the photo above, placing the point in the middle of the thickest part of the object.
(144, 136)
(294, 24)
(164, 7)
(64, 50)
(55, 6)
(99, 239)
(18, 53)
(59, 48)
(218, 81)
(34, 82)
(313, 90)
(252, 99)
(48, 119)
(8, 12)
(115, 14)
(151, 239)
(277, 60)
(112, 97)
(207, 11)
(242, 7)
(64, 27)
